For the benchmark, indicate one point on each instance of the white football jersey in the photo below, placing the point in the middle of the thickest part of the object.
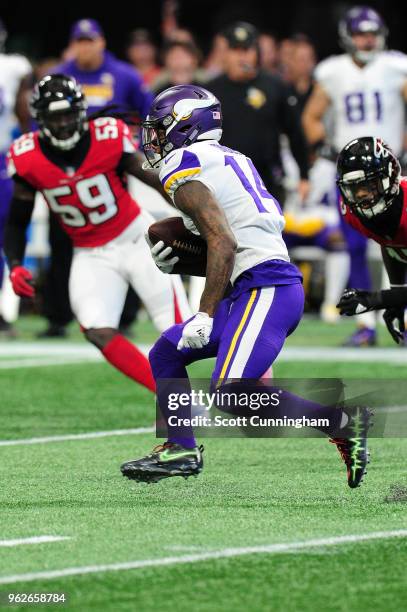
(254, 216)
(366, 101)
(12, 69)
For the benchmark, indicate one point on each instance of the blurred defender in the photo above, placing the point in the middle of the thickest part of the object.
(363, 92)
(374, 203)
(80, 167)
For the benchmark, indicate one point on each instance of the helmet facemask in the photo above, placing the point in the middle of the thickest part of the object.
(364, 56)
(155, 142)
(59, 107)
(368, 194)
(358, 21)
(180, 116)
(63, 129)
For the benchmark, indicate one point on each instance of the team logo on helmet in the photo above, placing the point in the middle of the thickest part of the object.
(379, 148)
(180, 116)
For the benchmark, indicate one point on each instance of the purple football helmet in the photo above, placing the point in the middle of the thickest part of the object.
(361, 20)
(180, 116)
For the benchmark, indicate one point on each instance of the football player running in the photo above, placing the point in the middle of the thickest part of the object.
(222, 198)
(80, 167)
(361, 92)
(374, 203)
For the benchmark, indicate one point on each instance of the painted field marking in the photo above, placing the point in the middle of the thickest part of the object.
(33, 540)
(204, 556)
(82, 436)
(26, 354)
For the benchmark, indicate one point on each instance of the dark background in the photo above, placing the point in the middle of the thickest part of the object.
(40, 29)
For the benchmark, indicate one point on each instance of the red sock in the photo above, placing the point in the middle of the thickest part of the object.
(127, 358)
(177, 312)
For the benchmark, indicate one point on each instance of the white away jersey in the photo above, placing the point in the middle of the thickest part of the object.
(12, 69)
(254, 216)
(366, 101)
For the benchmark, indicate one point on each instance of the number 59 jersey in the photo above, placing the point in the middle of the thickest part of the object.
(366, 101)
(253, 214)
(91, 202)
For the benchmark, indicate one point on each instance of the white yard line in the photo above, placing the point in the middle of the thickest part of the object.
(390, 409)
(26, 354)
(35, 349)
(34, 540)
(203, 556)
(82, 436)
(38, 362)
(35, 355)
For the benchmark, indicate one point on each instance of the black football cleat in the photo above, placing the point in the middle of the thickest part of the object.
(353, 447)
(165, 461)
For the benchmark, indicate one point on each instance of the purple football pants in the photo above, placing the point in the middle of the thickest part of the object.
(359, 274)
(248, 334)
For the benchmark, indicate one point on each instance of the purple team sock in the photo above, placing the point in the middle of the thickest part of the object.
(170, 374)
(359, 276)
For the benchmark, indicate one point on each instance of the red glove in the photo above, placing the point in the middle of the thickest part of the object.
(20, 279)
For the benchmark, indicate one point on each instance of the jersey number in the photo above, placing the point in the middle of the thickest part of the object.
(257, 191)
(106, 127)
(93, 192)
(355, 104)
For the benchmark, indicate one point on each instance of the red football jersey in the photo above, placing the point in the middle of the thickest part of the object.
(92, 202)
(396, 246)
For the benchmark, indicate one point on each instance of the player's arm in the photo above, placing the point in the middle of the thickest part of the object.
(196, 200)
(21, 108)
(312, 118)
(132, 163)
(19, 217)
(393, 301)
(395, 269)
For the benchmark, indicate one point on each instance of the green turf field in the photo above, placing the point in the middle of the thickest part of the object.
(311, 332)
(177, 535)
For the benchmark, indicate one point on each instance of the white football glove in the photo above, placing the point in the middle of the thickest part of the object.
(160, 254)
(197, 332)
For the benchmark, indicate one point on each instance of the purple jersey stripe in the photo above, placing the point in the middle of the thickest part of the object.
(188, 161)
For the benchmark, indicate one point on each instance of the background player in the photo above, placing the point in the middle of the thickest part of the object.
(221, 197)
(361, 92)
(13, 69)
(80, 168)
(374, 204)
(104, 80)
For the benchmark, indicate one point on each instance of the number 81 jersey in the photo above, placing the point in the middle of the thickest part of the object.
(365, 101)
(91, 202)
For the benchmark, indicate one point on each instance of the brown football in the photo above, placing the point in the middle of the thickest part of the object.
(190, 249)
